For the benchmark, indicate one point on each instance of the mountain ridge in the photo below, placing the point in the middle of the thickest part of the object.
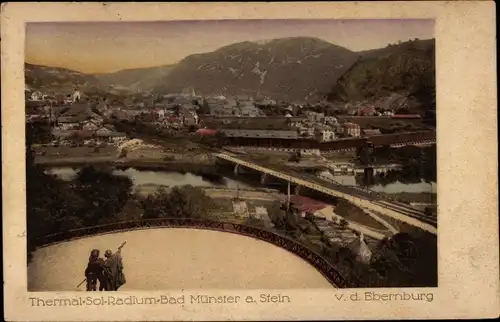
(291, 68)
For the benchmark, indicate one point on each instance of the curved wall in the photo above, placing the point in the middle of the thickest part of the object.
(177, 258)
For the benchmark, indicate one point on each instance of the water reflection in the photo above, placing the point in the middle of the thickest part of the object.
(179, 179)
(395, 186)
(158, 178)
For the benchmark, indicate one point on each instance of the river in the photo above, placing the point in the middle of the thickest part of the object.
(393, 187)
(180, 179)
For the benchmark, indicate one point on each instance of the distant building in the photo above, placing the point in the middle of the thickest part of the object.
(248, 110)
(281, 134)
(37, 96)
(106, 134)
(360, 250)
(304, 206)
(314, 117)
(261, 213)
(244, 98)
(189, 118)
(158, 114)
(188, 91)
(240, 208)
(76, 96)
(331, 120)
(367, 111)
(325, 134)
(71, 122)
(351, 129)
(370, 132)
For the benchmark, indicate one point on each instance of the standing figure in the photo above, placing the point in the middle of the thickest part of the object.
(94, 271)
(113, 270)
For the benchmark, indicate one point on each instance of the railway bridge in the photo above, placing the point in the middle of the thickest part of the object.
(357, 197)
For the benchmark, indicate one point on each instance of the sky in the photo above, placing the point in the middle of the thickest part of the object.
(101, 47)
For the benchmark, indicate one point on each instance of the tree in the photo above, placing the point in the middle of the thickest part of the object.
(277, 215)
(106, 194)
(180, 202)
(51, 205)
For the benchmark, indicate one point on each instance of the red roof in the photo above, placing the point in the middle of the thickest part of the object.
(206, 132)
(350, 125)
(306, 204)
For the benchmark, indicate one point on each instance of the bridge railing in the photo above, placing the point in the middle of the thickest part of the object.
(316, 260)
(337, 190)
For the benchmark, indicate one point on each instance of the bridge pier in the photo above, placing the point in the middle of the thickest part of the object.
(236, 169)
(263, 178)
(296, 190)
(368, 175)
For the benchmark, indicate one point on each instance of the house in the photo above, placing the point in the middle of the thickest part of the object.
(314, 117)
(325, 133)
(189, 118)
(71, 122)
(188, 91)
(306, 131)
(244, 98)
(351, 129)
(37, 96)
(158, 114)
(105, 134)
(248, 111)
(76, 96)
(360, 250)
(240, 208)
(265, 102)
(221, 110)
(304, 206)
(260, 213)
(367, 111)
(91, 125)
(331, 120)
(370, 132)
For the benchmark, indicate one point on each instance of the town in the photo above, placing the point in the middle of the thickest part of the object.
(346, 184)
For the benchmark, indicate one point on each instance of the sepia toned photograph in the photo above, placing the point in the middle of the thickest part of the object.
(201, 153)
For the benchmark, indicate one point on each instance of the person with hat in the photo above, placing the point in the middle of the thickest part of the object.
(94, 271)
(113, 270)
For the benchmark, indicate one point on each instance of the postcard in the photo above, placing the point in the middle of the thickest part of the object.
(249, 161)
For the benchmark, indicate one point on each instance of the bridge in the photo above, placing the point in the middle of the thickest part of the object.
(357, 197)
(321, 264)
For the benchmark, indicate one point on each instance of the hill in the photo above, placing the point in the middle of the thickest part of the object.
(47, 78)
(286, 68)
(137, 79)
(403, 72)
(297, 68)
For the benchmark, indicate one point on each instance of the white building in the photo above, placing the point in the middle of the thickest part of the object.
(325, 134)
(76, 96)
(37, 96)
